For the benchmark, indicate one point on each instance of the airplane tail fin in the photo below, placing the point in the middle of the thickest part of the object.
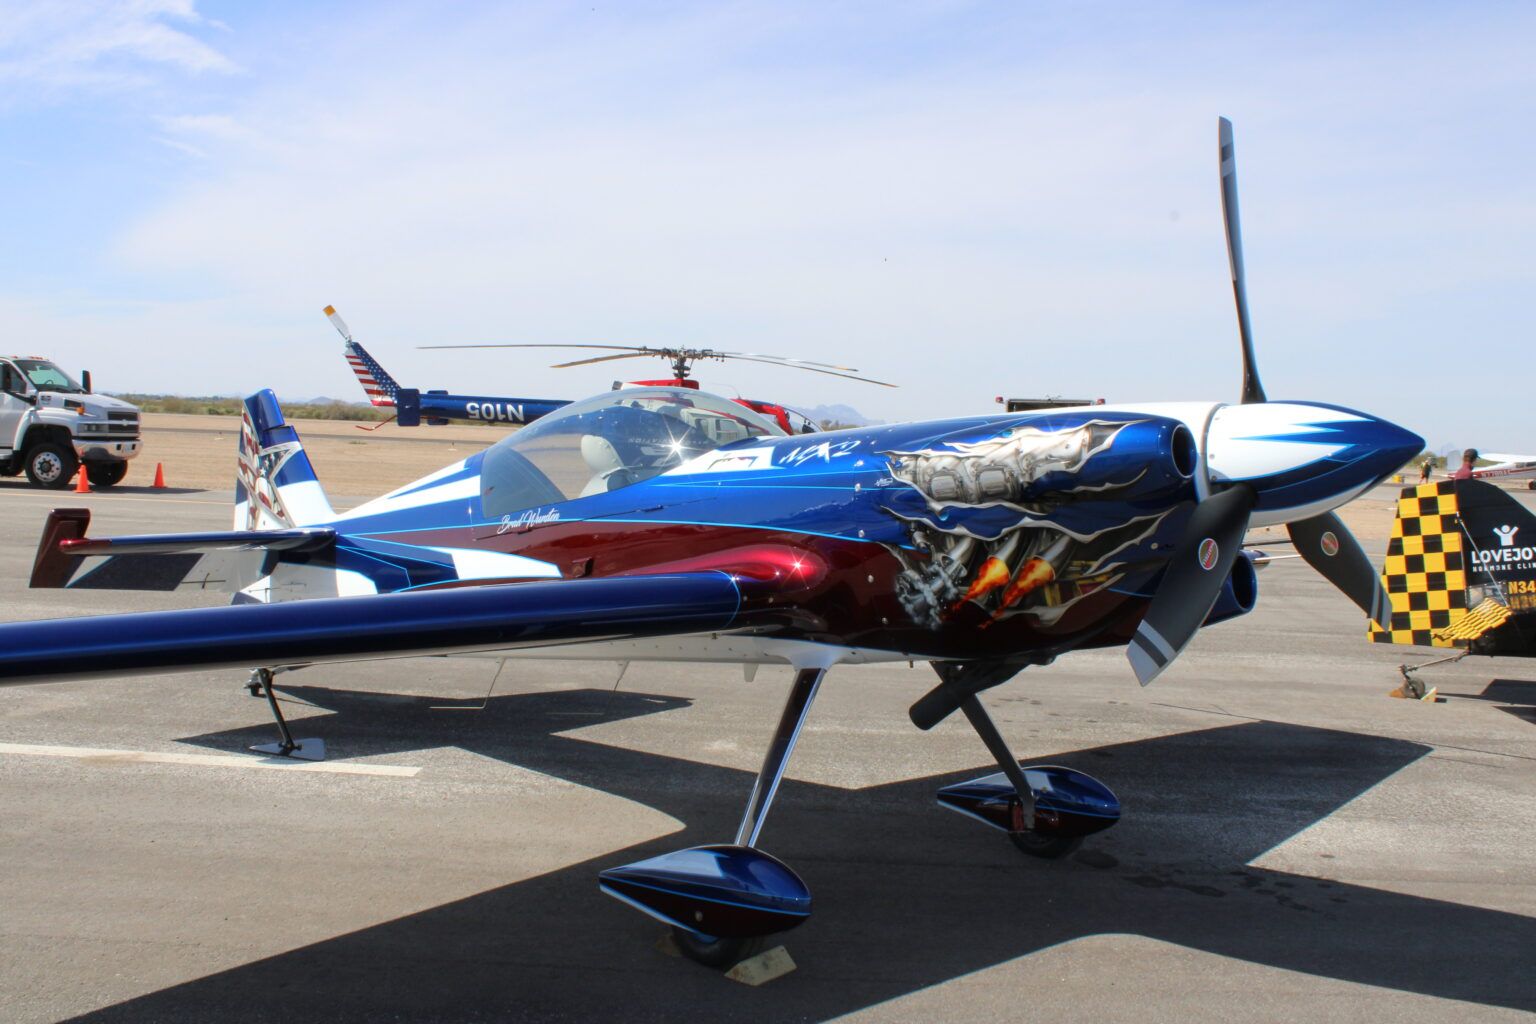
(1455, 564)
(378, 385)
(275, 484)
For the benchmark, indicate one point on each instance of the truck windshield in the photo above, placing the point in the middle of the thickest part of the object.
(47, 377)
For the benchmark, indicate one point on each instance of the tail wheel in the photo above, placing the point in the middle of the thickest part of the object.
(106, 474)
(51, 465)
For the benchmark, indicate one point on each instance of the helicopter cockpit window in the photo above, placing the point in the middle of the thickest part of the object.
(608, 442)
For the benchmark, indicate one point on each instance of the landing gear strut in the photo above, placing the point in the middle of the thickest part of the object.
(303, 750)
(723, 901)
(1045, 809)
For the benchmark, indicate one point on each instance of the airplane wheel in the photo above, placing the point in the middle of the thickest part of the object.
(1048, 847)
(720, 953)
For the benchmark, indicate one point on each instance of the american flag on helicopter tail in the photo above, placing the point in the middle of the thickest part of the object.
(379, 386)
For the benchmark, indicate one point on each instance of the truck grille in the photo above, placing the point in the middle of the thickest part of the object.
(122, 416)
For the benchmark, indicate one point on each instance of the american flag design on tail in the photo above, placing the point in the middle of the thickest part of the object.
(275, 484)
(379, 386)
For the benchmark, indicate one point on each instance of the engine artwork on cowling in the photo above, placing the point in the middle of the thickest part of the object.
(1029, 520)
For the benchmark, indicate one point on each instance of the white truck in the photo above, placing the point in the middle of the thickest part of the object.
(50, 425)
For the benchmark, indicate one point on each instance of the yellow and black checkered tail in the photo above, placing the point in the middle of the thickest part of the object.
(1426, 570)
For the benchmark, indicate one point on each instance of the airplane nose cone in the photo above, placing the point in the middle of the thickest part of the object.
(1398, 445)
(1305, 456)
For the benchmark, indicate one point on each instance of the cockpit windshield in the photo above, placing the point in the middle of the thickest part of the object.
(608, 442)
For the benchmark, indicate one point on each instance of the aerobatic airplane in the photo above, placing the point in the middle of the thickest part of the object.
(1460, 573)
(439, 407)
(670, 524)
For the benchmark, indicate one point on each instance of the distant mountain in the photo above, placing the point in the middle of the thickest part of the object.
(844, 415)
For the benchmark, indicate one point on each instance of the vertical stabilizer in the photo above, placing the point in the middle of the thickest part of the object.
(275, 485)
(1458, 568)
(378, 385)
(1426, 571)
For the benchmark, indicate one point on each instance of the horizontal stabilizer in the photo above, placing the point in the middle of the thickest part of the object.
(304, 539)
(428, 622)
(64, 545)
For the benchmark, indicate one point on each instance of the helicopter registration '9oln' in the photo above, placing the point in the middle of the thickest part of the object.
(669, 524)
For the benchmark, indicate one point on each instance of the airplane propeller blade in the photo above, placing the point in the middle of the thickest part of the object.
(1328, 546)
(1253, 391)
(1192, 582)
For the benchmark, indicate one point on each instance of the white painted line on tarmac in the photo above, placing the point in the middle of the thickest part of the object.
(63, 498)
(206, 760)
(57, 499)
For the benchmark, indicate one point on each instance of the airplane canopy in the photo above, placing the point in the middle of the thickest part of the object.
(610, 441)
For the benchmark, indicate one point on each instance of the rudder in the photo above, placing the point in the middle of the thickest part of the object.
(381, 389)
(275, 484)
(1442, 572)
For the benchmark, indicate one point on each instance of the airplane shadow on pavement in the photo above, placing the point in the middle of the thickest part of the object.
(907, 895)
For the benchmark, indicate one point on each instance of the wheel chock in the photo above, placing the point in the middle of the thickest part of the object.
(1414, 690)
(762, 968)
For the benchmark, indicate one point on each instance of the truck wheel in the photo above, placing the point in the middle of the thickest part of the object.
(106, 474)
(51, 465)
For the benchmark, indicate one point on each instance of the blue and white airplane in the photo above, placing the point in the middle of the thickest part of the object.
(666, 523)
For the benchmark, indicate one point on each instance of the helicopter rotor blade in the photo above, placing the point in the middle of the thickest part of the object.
(338, 323)
(811, 369)
(640, 349)
(686, 354)
(1253, 391)
(599, 359)
(786, 359)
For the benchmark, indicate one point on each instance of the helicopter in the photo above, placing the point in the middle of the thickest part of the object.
(436, 408)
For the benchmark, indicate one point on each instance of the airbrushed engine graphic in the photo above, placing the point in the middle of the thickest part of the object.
(1007, 527)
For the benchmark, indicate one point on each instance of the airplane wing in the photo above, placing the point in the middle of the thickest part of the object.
(452, 620)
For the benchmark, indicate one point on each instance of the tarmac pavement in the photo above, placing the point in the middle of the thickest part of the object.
(1295, 846)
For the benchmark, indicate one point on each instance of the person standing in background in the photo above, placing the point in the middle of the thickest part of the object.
(1468, 457)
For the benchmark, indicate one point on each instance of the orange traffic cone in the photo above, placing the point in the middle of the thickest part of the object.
(159, 475)
(82, 484)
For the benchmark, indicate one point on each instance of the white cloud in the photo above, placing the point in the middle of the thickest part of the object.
(50, 48)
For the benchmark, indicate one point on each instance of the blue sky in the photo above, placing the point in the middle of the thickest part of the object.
(966, 198)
